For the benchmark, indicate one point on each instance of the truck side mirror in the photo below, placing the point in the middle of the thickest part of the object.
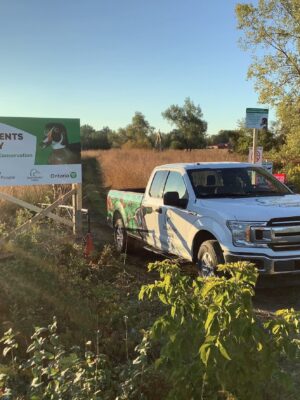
(172, 199)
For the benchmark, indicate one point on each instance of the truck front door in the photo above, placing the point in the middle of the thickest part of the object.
(177, 220)
(152, 210)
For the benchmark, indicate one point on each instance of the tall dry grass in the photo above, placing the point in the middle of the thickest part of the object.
(31, 194)
(119, 168)
(131, 168)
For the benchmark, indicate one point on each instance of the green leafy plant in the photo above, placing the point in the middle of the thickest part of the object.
(55, 373)
(212, 345)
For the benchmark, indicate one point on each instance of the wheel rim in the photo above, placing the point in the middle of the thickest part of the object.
(119, 236)
(207, 267)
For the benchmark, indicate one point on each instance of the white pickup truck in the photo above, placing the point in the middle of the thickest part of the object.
(212, 213)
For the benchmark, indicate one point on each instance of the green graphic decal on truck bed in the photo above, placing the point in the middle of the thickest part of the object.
(128, 204)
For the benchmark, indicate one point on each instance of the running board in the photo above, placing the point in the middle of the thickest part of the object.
(167, 255)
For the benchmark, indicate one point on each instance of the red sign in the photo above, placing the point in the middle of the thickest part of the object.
(281, 177)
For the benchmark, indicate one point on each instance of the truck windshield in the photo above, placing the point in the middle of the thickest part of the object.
(235, 182)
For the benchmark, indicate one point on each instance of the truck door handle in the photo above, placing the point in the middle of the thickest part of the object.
(158, 210)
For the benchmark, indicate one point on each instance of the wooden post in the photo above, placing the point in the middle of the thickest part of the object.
(77, 206)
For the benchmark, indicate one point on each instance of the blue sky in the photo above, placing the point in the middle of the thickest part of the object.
(101, 61)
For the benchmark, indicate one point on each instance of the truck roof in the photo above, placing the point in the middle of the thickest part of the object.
(200, 165)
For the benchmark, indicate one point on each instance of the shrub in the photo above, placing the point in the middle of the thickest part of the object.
(212, 345)
(207, 343)
(54, 373)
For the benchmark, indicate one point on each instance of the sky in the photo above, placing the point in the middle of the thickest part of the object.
(101, 61)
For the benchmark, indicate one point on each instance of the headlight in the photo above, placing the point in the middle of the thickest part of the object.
(241, 233)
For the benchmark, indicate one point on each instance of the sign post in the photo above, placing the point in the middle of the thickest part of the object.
(256, 118)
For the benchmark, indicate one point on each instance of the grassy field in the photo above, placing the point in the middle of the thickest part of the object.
(113, 168)
(132, 168)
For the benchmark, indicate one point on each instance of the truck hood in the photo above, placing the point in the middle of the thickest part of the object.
(252, 208)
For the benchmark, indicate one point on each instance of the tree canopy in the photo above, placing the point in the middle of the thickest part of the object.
(272, 31)
(188, 119)
(137, 133)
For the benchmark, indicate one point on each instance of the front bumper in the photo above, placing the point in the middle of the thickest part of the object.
(267, 265)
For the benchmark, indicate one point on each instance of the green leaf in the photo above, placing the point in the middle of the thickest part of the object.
(223, 351)
(162, 298)
(259, 346)
(210, 320)
(204, 352)
(6, 350)
(173, 311)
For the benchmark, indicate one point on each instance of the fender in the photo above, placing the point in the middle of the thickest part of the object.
(207, 228)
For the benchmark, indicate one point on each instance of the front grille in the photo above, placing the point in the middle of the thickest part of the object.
(284, 234)
(278, 247)
(284, 221)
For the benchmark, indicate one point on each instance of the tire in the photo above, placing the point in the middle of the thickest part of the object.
(120, 234)
(209, 256)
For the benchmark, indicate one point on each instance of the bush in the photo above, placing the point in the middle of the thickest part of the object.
(293, 176)
(206, 343)
(212, 345)
(54, 373)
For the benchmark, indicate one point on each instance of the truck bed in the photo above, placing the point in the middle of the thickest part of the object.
(127, 202)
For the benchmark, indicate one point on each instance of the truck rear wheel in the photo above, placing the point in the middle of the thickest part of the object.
(209, 256)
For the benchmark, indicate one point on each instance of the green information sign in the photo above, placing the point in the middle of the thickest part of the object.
(257, 118)
(35, 151)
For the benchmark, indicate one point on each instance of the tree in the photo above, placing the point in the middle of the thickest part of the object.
(189, 123)
(273, 26)
(92, 139)
(244, 139)
(101, 139)
(224, 136)
(272, 29)
(136, 134)
(86, 132)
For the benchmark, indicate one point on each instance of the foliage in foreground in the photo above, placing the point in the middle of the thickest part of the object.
(207, 344)
(50, 372)
(212, 345)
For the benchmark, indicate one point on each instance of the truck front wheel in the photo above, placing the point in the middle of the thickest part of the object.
(209, 256)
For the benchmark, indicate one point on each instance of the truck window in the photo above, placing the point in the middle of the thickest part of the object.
(175, 183)
(238, 182)
(158, 183)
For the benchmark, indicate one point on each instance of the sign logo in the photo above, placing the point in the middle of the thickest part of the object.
(73, 175)
(258, 155)
(34, 175)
